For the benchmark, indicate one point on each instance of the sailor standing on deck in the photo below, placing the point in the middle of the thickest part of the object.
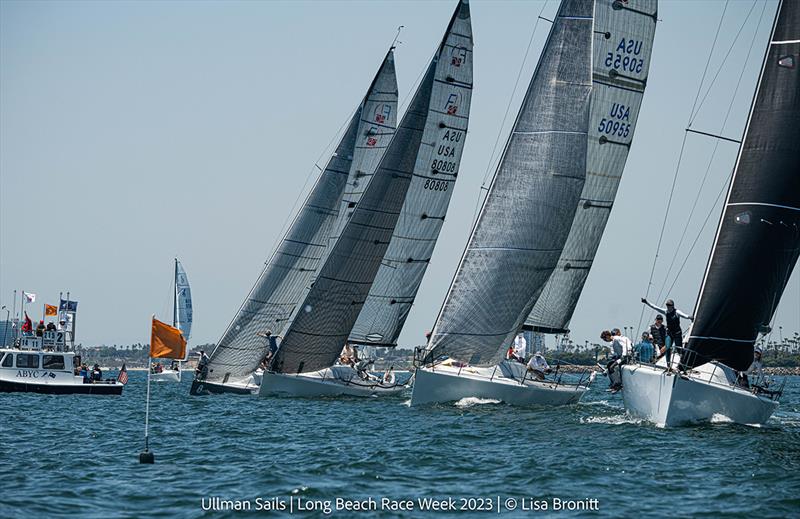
(272, 343)
(520, 347)
(673, 325)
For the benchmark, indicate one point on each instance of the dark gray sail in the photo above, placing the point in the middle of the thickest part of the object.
(323, 321)
(527, 214)
(421, 219)
(623, 42)
(290, 270)
(758, 239)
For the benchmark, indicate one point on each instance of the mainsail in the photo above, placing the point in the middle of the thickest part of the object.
(528, 211)
(291, 268)
(323, 321)
(183, 302)
(758, 239)
(623, 42)
(422, 216)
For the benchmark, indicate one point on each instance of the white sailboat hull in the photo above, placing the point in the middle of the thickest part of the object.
(668, 399)
(166, 376)
(446, 384)
(336, 381)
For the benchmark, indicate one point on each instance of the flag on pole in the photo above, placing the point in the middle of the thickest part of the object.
(29, 298)
(50, 310)
(166, 342)
(68, 306)
(123, 375)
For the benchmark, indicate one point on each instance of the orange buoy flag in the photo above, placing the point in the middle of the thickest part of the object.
(50, 310)
(166, 342)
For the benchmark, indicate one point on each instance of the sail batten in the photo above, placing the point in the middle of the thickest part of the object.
(623, 41)
(526, 215)
(282, 282)
(757, 244)
(325, 319)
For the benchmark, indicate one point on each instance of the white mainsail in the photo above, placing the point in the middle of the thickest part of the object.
(183, 301)
(528, 211)
(324, 320)
(291, 268)
(422, 217)
(623, 43)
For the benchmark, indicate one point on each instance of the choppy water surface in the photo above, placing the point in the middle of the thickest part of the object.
(78, 456)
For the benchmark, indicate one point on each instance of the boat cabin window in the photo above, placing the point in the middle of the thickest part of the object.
(8, 361)
(27, 360)
(52, 361)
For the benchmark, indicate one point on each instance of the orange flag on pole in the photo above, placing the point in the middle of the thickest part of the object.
(166, 342)
(50, 310)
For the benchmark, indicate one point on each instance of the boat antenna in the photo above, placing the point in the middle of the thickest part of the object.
(396, 41)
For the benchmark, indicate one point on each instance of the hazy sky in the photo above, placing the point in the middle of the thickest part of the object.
(131, 132)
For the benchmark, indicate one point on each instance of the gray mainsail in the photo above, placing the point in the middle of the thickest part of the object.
(423, 213)
(323, 322)
(291, 268)
(528, 211)
(623, 42)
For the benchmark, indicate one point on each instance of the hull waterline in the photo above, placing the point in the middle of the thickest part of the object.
(323, 384)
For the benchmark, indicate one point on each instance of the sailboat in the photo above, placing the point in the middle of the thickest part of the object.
(519, 233)
(756, 247)
(237, 361)
(181, 319)
(406, 198)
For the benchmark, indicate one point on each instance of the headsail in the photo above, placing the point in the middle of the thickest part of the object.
(324, 320)
(421, 219)
(183, 301)
(623, 42)
(758, 239)
(527, 214)
(292, 266)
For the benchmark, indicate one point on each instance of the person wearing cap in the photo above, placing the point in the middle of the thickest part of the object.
(272, 343)
(201, 371)
(520, 347)
(644, 351)
(658, 333)
(674, 331)
(40, 328)
(97, 373)
(620, 349)
(756, 368)
(538, 366)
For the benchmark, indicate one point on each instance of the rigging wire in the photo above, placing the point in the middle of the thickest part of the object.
(711, 159)
(677, 169)
(505, 115)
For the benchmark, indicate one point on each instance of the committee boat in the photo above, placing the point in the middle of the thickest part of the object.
(755, 250)
(388, 236)
(519, 233)
(47, 365)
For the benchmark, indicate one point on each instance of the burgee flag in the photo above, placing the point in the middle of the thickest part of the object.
(29, 298)
(166, 342)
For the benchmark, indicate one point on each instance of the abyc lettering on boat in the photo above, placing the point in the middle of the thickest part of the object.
(615, 121)
(624, 56)
(31, 373)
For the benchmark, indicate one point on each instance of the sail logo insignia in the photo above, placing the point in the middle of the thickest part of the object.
(458, 56)
(451, 106)
(624, 56)
(382, 113)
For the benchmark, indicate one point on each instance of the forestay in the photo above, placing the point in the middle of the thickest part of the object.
(528, 211)
(183, 301)
(623, 42)
(758, 239)
(422, 216)
(323, 321)
(292, 266)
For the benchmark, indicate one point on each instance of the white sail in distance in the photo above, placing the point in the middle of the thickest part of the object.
(525, 219)
(623, 43)
(290, 270)
(324, 320)
(183, 302)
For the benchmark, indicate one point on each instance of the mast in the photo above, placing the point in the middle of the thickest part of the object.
(175, 296)
(527, 213)
(758, 238)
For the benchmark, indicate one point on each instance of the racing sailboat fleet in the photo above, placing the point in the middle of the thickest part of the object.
(348, 269)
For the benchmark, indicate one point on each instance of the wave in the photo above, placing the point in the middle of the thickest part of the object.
(473, 401)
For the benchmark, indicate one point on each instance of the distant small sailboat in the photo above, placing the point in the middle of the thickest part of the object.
(182, 319)
(755, 250)
(420, 162)
(519, 234)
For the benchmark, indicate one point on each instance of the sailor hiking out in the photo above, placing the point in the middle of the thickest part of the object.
(674, 331)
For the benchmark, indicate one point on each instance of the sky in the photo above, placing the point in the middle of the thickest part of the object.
(134, 132)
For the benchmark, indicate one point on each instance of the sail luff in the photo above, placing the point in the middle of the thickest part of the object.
(183, 311)
(322, 323)
(290, 269)
(757, 243)
(527, 213)
(423, 214)
(623, 41)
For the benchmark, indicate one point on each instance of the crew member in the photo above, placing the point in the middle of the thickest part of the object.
(673, 326)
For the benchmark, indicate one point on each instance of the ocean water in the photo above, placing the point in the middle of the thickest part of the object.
(78, 456)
